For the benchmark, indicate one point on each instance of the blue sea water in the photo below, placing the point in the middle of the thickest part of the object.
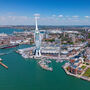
(26, 74)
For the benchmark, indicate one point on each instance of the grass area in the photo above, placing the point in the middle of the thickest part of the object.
(87, 64)
(83, 67)
(87, 73)
(67, 68)
(50, 40)
(88, 35)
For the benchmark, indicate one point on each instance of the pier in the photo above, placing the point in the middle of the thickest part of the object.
(3, 65)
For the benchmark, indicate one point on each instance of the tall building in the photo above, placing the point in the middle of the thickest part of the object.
(37, 39)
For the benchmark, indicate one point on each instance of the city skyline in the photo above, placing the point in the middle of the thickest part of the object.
(52, 12)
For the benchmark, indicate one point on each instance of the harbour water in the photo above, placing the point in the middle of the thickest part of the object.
(26, 74)
(9, 30)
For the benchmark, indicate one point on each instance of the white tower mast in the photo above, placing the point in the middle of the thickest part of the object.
(37, 38)
(36, 22)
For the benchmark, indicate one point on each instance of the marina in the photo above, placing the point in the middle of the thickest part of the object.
(44, 65)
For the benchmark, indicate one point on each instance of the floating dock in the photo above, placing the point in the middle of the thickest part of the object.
(45, 66)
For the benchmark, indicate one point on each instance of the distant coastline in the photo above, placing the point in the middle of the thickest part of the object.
(47, 27)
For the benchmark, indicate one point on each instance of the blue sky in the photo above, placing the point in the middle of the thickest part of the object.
(52, 12)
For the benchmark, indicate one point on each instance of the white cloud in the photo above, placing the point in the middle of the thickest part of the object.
(2, 18)
(10, 20)
(87, 16)
(60, 16)
(69, 18)
(53, 15)
(53, 20)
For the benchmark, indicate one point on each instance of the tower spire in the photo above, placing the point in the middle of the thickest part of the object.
(36, 22)
(36, 18)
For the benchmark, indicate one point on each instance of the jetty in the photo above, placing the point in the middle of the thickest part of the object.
(3, 65)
